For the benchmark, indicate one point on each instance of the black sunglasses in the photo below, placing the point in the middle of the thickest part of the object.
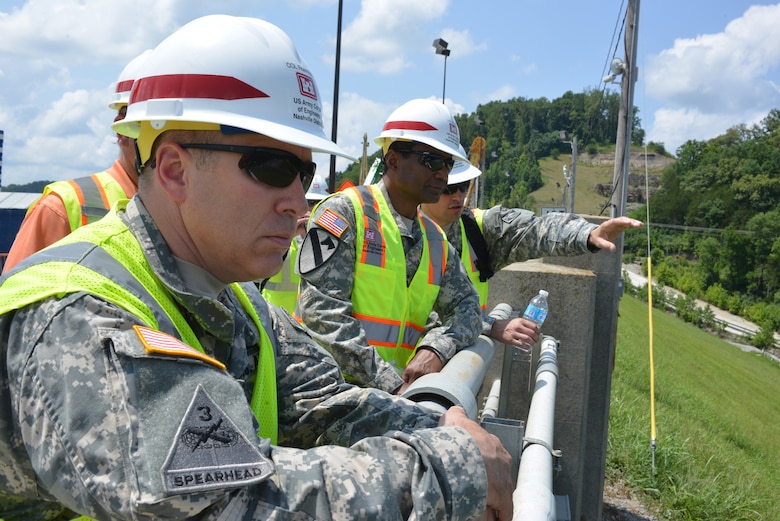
(457, 187)
(433, 161)
(270, 166)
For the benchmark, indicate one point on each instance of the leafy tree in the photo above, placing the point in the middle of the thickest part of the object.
(708, 265)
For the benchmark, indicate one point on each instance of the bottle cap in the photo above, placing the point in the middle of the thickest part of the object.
(543, 292)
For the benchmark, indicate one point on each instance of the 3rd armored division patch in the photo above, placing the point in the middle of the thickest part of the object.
(210, 452)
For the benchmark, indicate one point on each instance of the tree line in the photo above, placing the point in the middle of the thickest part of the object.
(728, 189)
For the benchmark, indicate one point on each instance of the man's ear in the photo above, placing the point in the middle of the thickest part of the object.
(391, 160)
(172, 163)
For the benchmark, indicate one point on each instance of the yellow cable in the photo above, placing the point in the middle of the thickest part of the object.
(650, 332)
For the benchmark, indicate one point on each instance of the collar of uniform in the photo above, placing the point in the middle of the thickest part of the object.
(405, 226)
(198, 280)
(214, 315)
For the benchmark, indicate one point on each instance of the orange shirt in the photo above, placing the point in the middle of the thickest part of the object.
(47, 221)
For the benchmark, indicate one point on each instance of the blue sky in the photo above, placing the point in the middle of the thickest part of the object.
(703, 66)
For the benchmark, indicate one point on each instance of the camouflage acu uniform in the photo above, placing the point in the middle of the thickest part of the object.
(325, 306)
(515, 235)
(93, 420)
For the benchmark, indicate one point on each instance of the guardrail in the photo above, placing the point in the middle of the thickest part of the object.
(731, 327)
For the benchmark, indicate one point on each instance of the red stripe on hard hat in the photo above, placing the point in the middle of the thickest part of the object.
(193, 86)
(124, 86)
(408, 125)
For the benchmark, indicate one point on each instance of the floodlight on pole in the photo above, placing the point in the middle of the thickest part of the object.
(441, 48)
(616, 68)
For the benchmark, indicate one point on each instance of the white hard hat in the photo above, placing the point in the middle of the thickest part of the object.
(463, 171)
(318, 189)
(227, 73)
(124, 83)
(425, 121)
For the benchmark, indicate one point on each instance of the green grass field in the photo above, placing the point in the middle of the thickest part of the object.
(590, 171)
(717, 416)
(586, 201)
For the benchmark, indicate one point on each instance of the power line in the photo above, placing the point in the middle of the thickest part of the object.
(698, 228)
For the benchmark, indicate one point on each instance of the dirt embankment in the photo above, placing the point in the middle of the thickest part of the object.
(637, 161)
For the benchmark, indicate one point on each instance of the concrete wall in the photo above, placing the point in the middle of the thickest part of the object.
(583, 318)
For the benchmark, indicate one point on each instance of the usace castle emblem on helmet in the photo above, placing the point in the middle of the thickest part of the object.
(307, 86)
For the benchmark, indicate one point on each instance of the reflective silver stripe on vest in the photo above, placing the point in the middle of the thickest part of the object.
(411, 337)
(387, 334)
(93, 208)
(379, 333)
(97, 259)
(436, 244)
(375, 257)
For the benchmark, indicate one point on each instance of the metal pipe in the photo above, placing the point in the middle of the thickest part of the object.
(533, 496)
(460, 380)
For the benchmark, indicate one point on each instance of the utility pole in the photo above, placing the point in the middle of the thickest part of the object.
(604, 357)
(334, 129)
(364, 160)
(573, 173)
(2, 134)
(626, 115)
(571, 179)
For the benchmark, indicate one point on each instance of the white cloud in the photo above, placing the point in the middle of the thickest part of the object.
(460, 43)
(71, 135)
(357, 116)
(371, 42)
(721, 72)
(673, 127)
(710, 83)
(69, 30)
(504, 92)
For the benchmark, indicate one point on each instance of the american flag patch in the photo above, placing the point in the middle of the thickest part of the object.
(332, 222)
(162, 343)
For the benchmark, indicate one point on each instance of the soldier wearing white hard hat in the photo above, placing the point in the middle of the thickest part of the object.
(147, 378)
(370, 255)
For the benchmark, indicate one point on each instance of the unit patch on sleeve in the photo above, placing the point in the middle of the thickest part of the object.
(317, 247)
(162, 343)
(210, 452)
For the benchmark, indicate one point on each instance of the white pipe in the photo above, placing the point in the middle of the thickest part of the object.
(459, 381)
(533, 497)
(490, 410)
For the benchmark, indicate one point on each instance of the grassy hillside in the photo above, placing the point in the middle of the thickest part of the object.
(717, 416)
(590, 171)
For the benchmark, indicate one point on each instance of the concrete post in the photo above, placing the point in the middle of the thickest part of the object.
(583, 317)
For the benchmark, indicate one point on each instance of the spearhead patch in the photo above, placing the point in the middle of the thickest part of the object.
(210, 452)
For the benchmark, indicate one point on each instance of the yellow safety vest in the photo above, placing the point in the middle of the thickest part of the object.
(282, 288)
(468, 257)
(86, 199)
(392, 314)
(85, 260)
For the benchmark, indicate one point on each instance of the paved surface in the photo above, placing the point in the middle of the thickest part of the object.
(735, 325)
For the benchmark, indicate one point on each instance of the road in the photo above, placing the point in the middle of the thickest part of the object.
(735, 325)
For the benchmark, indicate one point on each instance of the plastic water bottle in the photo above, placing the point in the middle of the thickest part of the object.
(536, 311)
